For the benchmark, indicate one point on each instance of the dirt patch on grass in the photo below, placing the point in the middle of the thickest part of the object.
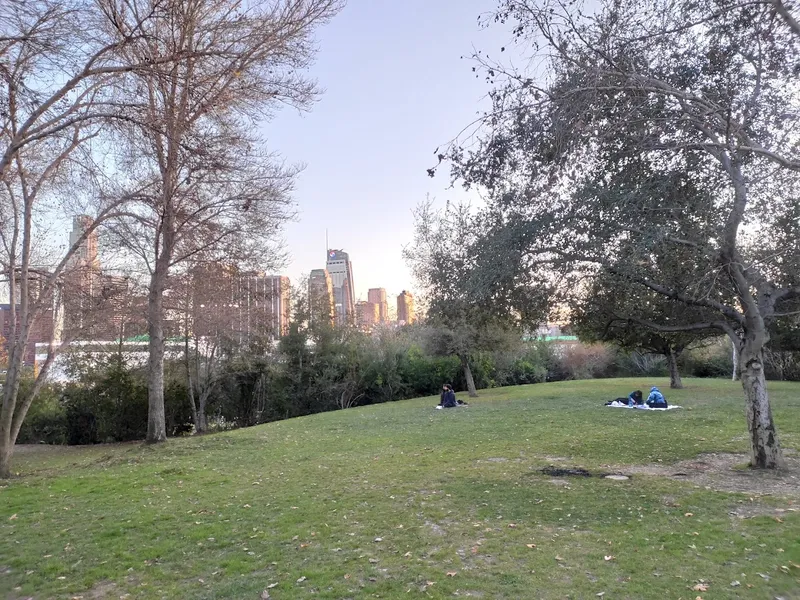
(728, 473)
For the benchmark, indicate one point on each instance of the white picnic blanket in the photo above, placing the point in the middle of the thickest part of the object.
(641, 406)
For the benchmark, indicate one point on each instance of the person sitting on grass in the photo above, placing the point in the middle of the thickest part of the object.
(656, 398)
(448, 397)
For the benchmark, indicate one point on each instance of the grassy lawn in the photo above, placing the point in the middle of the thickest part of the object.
(403, 501)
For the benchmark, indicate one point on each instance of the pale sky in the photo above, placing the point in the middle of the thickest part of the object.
(395, 89)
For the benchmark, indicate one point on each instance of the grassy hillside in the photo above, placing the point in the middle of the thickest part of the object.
(402, 501)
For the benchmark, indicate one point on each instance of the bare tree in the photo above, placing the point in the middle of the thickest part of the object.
(59, 65)
(216, 191)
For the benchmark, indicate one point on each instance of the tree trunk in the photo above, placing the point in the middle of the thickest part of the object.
(675, 382)
(468, 376)
(156, 421)
(735, 365)
(202, 423)
(765, 451)
(6, 450)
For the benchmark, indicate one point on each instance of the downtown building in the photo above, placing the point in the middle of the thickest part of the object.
(405, 308)
(367, 315)
(241, 306)
(321, 306)
(340, 270)
(377, 296)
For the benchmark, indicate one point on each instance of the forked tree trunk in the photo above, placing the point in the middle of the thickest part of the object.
(765, 451)
(675, 382)
(473, 393)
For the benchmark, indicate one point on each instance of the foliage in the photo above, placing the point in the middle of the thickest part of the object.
(465, 315)
(658, 144)
(46, 420)
(206, 517)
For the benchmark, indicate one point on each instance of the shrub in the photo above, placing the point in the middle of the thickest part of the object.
(587, 362)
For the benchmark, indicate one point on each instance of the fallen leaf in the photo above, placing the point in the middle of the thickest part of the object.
(600, 594)
(407, 555)
(373, 560)
(265, 595)
(531, 545)
(347, 575)
(302, 579)
(304, 545)
(558, 558)
(13, 517)
(700, 587)
(688, 514)
(452, 573)
(272, 585)
(779, 520)
(609, 557)
(735, 584)
(378, 539)
(795, 565)
(512, 525)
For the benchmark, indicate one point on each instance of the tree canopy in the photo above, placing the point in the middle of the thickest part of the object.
(650, 129)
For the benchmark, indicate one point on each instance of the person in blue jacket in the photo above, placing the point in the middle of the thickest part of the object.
(656, 398)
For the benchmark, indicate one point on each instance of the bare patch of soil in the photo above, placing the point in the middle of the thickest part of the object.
(727, 473)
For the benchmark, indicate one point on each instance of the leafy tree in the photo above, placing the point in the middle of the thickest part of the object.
(660, 127)
(615, 311)
(464, 314)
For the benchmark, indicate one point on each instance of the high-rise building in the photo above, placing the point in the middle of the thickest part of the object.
(368, 315)
(278, 302)
(86, 252)
(341, 271)
(405, 308)
(243, 306)
(82, 283)
(378, 296)
(320, 297)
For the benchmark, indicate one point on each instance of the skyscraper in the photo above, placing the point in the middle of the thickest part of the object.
(279, 300)
(405, 308)
(241, 305)
(341, 271)
(81, 277)
(368, 314)
(378, 296)
(320, 297)
(86, 253)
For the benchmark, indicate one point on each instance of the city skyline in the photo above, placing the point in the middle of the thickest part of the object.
(357, 188)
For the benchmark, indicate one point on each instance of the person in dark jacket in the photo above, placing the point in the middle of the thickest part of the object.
(448, 398)
(633, 399)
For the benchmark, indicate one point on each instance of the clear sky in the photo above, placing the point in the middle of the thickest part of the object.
(395, 89)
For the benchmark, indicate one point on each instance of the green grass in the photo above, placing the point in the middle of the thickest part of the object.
(456, 491)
